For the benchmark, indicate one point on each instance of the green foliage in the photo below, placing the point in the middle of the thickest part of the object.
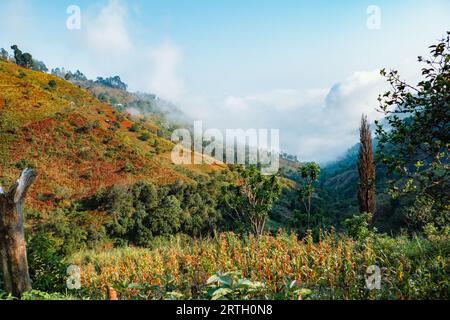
(22, 74)
(112, 82)
(135, 127)
(52, 84)
(291, 290)
(268, 267)
(415, 141)
(71, 230)
(140, 212)
(358, 226)
(145, 136)
(22, 59)
(36, 295)
(168, 289)
(165, 220)
(309, 174)
(231, 286)
(4, 54)
(39, 66)
(423, 212)
(23, 164)
(436, 234)
(47, 270)
(251, 198)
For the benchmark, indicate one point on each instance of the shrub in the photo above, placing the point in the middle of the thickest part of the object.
(135, 127)
(358, 226)
(47, 269)
(145, 136)
(231, 286)
(52, 84)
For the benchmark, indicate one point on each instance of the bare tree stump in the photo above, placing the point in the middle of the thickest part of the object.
(13, 253)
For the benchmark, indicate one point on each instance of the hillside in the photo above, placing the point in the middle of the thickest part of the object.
(77, 143)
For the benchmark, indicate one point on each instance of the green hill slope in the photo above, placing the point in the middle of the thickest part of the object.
(77, 143)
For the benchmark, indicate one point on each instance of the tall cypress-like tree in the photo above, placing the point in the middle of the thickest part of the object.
(366, 168)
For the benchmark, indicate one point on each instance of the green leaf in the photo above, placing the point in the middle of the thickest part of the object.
(220, 293)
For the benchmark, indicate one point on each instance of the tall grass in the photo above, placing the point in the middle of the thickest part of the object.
(332, 268)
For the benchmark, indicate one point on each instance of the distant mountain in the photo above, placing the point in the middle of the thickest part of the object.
(339, 184)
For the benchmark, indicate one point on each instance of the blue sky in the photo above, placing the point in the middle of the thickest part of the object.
(305, 67)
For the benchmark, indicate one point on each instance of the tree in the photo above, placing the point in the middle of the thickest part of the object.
(61, 73)
(4, 54)
(166, 220)
(39, 66)
(366, 169)
(13, 252)
(414, 142)
(79, 76)
(17, 54)
(22, 59)
(309, 173)
(251, 197)
(112, 82)
(27, 61)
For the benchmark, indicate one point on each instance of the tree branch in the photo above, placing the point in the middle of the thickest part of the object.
(21, 186)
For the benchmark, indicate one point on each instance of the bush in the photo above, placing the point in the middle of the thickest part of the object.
(231, 286)
(135, 127)
(165, 220)
(145, 136)
(358, 226)
(52, 84)
(47, 269)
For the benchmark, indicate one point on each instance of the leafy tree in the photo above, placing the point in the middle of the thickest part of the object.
(118, 202)
(27, 61)
(414, 143)
(39, 66)
(166, 220)
(79, 76)
(251, 197)
(199, 204)
(22, 59)
(112, 82)
(146, 194)
(309, 174)
(366, 169)
(17, 54)
(4, 54)
(61, 73)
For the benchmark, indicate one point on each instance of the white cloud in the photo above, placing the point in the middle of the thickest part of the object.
(112, 50)
(315, 124)
(287, 99)
(107, 32)
(236, 104)
(165, 79)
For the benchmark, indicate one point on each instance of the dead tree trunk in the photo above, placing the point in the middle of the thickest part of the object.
(13, 253)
